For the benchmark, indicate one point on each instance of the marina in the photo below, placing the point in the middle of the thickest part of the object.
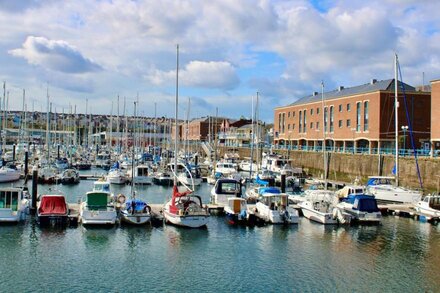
(387, 252)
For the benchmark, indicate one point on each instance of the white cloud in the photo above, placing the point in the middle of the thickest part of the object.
(213, 75)
(55, 55)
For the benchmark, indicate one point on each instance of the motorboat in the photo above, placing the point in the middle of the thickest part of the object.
(163, 178)
(225, 168)
(274, 208)
(8, 174)
(318, 206)
(363, 208)
(248, 166)
(223, 189)
(384, 191)
(116, 175)
(136, 212)
(103, 160)
(69, 176)
(429, 206)
(141, 175)
(52, 210)
(14, 204)
(97, 208)
(237, 212)
(47, 174)
(185, 210)
(82, 165)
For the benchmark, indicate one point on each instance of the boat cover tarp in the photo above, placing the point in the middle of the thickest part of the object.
(97, 199)
(264, 190)
(138, 204)
(261, 182)
(51, 205)
(363, 203)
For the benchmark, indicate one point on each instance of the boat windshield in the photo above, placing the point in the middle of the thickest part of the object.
(9, 199)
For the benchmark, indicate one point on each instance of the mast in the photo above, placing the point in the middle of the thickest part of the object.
(132, 156)
(253, 137)
(323, 136)
(396, 116)
(4, 119)
(176, 115)
(47, 125)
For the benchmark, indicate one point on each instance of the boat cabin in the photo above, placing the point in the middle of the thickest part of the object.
(432, 201)
(103, 186)
(9, 198)
(237, 204)
(275, 201)
(350, 190)
(228, 186)
(97, 200)
(363, 203)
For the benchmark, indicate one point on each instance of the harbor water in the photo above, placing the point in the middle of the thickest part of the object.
(398, 255)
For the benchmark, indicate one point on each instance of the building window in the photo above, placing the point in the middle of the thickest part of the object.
(311, 125)
(311, 111)
(325, 119)
(279, 122)
(317, 125)
(293, 126)
(288, 114)
(348, 107)
(366, 116)
(348, 123)
(340, 108)
(288, 126)
(331, 119)
(317, 111)
(293, 115)
(358, 116)
(305, 121)
(340, 123)
(300, 121)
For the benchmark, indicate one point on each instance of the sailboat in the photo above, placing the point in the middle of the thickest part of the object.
(382, 187)
(183, 209)
(136, 211)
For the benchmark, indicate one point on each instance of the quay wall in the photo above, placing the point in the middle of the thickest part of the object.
(346, 167)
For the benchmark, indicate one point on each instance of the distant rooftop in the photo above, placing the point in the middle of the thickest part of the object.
(373, 86)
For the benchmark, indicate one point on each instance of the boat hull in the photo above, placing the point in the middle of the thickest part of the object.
(316, 216)
(135, 219)
(190, 221)
(88, 217)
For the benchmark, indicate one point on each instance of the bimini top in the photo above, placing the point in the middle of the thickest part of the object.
(138, 204)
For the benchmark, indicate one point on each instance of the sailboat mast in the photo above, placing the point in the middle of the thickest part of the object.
(323, 136)
(176, 115)
(4, 119)
(47, 126)
(133, 154)
(396, 117)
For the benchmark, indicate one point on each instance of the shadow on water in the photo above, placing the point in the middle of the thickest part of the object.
(96, 236)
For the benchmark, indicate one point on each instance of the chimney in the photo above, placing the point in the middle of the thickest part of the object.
(315, 94)
(340, 88)
(373, 81)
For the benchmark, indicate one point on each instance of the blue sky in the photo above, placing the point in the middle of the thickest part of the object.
(229, 50)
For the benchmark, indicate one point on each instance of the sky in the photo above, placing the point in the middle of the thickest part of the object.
(87, 53)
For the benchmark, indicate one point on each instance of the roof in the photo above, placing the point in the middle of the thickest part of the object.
(382, 85)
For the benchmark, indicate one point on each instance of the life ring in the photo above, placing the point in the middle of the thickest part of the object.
(147, 208)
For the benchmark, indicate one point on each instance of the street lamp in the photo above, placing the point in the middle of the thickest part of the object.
(404, 128)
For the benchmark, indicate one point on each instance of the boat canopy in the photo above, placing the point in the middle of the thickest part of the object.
(97, 199)
(53, 205)
(138, 204)
(101, 186)
(261, 182)
(363, 203)
(228, 186)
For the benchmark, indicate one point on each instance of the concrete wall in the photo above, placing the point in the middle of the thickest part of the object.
(346, 167)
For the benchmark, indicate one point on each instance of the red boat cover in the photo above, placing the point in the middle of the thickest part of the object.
(51, 205)
(176, 194)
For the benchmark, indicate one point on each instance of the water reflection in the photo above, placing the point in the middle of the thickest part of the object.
(98, 237)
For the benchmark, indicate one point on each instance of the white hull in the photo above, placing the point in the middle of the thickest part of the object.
(362, 217)
(275, 216)
(317, 216)
(389, 193)
(9, 216)
(136, 219)
(143, 180)
(188, 181)
(428, 212)
(88, 217)
(190, 221)
(9, 175)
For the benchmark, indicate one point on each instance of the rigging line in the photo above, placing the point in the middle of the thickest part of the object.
(411, 135)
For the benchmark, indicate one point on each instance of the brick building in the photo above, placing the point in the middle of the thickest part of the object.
(359, 118)
(435, 115)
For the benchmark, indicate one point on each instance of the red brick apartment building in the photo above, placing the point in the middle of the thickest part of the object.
(359, 117)
(198, 129)
(435, 115)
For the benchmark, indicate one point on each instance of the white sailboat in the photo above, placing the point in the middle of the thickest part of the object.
(183, 209)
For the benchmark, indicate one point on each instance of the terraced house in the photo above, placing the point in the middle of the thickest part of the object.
(355, 119)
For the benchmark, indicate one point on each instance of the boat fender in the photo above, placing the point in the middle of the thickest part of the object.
(121, 198)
